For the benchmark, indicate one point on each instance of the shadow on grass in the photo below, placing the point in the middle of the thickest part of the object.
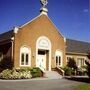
(79, 79)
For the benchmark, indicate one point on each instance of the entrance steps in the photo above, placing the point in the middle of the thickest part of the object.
(52, 75)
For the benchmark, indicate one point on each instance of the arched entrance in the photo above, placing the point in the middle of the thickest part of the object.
(43, 53)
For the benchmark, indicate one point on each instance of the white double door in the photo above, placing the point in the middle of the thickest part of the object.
(41, 61)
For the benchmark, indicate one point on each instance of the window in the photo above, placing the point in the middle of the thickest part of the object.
(24, 56)
(1, 56)
(22, 59)
(80, 62)
(58, 60)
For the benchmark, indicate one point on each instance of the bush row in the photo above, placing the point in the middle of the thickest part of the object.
(22, 73)
(70, 71)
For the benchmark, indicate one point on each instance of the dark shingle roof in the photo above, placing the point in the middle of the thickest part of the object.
(6, 36)
(75, 46)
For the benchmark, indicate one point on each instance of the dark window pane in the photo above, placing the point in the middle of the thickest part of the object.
(27, 57)
(59, 60)
(22, 59)
(56, 60)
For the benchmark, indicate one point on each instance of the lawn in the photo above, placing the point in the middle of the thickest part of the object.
(83, 87)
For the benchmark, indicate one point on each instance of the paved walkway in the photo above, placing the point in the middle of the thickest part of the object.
(38, 84)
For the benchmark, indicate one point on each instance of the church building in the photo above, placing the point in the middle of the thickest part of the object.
(38, 43)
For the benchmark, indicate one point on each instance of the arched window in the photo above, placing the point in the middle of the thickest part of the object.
(58, 58)
(1, 56)
(25, 54)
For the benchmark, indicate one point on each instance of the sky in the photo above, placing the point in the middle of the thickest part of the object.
(71, 17)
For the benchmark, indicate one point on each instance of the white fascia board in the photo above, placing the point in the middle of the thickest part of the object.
(38, 17)
(56, 27)
(29, 21)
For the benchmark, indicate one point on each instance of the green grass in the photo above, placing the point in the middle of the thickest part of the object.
(83, 87)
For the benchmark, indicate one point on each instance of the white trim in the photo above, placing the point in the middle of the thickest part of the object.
(29, 52)
(44, 37)
(78, 59)
(59, 53)
(75, 53)
(56, 27)
(37, 18)
(44, 11)
(30, 21)
(16, 29)
(64, 39)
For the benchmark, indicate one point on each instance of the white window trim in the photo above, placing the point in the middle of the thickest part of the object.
(82, 58)
(29, 61)
(59, 54)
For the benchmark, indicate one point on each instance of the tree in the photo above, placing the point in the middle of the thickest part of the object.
(88, 64)
(72, 63)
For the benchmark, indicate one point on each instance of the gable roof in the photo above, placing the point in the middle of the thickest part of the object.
(38, 18)
(74, 46)
(6, 36)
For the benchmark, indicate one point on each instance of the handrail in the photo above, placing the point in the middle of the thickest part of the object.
(60, 71)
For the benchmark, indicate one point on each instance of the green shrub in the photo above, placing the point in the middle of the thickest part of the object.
(88, 68)
(14, 74)
(69, 71)
(23, 69)
(88, 64)
(25, 75)
(6, 74)
(22, 73)
(36, 72)
(72, 63)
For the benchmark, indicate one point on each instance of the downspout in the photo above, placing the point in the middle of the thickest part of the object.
(12, 42)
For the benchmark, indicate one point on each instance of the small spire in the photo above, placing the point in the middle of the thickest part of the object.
(44, 10)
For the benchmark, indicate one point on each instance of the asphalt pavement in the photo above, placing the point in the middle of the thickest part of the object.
(38, 84)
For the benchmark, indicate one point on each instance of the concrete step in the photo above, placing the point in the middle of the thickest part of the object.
(52, 75)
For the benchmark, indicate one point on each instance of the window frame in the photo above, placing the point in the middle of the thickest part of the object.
(25, 52)
(58, 58)
(81, 61)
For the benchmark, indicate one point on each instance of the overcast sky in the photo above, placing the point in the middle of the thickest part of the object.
(71, 17)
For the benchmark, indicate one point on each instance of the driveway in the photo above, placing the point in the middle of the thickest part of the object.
(38, 84)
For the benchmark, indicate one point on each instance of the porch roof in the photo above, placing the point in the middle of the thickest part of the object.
(6, 36)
